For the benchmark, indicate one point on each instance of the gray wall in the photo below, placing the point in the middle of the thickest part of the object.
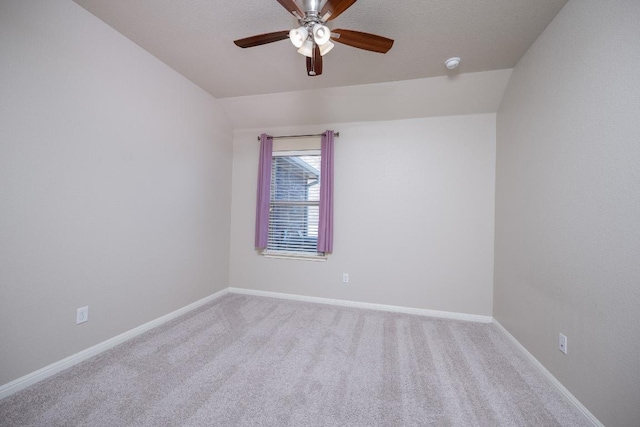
(115, 185)
(567, 250)
(414, 203)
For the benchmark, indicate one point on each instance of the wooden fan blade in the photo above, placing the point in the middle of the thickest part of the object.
(364, 41)
(292, 7)
(314, 64)
(261, 39)
(336, 7)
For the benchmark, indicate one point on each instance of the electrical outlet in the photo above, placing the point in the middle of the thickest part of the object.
(562, 343)
(345, 277)
(82, 315)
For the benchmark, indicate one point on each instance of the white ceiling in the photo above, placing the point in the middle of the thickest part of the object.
(195, 37)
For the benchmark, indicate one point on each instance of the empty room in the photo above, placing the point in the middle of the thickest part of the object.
(320, 213)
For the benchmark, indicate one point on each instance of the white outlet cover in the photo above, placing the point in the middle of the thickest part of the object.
(562, 343)
(82, 315)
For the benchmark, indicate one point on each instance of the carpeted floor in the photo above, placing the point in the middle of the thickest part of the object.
(252, 361)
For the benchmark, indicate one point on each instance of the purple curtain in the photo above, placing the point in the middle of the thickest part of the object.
(264, 191)
(325, 226)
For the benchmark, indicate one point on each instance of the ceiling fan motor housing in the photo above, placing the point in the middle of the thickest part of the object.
(311, 6)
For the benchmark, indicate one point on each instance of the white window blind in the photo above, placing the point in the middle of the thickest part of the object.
(294, 204)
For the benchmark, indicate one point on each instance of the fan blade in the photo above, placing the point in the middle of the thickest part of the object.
(336, 7)
(292, 7)
(314, 65)
(361, 40)
(261, 39)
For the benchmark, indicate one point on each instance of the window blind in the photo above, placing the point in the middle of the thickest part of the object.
(294, 203)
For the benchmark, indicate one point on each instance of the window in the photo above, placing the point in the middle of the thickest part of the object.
(294, 203)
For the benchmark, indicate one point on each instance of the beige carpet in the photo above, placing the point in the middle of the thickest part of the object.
(252, 361)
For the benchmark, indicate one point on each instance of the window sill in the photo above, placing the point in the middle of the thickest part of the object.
(292, 255)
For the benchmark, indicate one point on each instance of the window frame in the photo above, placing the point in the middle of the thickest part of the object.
(297, 255)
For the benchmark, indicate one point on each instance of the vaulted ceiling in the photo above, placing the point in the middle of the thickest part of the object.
(195, 37)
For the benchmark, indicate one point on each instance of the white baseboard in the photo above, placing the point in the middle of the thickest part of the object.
(39, 375)
(380, 307)
(566, 394)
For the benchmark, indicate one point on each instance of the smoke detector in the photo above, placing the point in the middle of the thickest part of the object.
(452, 63)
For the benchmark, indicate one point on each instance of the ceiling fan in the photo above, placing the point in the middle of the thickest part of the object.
(313, 37)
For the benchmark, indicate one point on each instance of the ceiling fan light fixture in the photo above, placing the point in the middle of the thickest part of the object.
(326, 48)
(306, 49)
(298, 36)
(313, 37)
(321, 34)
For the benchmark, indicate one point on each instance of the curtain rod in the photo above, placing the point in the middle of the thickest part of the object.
(336, 134)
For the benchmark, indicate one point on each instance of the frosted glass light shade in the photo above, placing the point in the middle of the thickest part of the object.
(321, 34)
(306, 49)
(326, 48)
(298, 36)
